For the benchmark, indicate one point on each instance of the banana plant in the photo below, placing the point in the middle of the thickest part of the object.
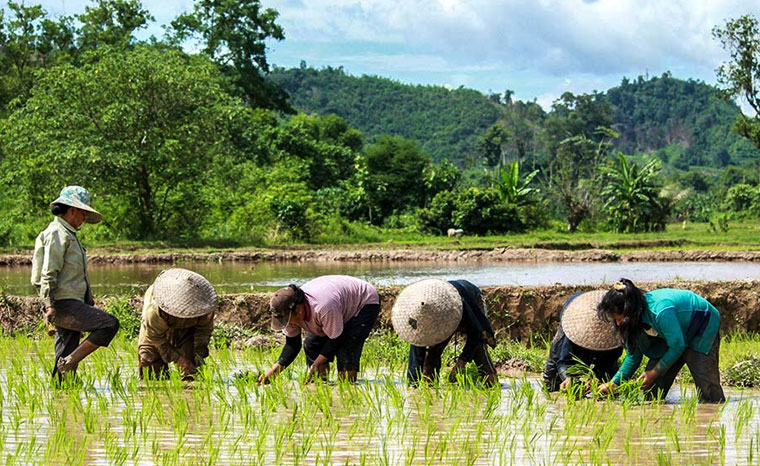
(511, 189)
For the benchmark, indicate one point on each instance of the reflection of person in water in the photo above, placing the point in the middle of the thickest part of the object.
(672, 328)
(582, 337)
(428, 313)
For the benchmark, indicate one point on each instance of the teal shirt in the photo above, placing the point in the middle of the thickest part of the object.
(679, 319)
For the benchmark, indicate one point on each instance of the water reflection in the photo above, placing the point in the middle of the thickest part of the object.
(240, 277)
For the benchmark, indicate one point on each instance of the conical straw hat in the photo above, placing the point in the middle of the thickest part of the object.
(183, 293)
(584, 328)
(427, 312)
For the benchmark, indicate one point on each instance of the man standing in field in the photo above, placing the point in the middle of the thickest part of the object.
(59, 271)
(177, 322)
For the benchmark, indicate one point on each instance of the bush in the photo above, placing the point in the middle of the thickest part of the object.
(742, 198)
(129, 317)
(744, 373)
(476, 211)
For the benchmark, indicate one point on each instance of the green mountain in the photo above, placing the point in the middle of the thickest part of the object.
(684, 122)
(445, 122)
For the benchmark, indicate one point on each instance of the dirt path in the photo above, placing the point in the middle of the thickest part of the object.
(403, 255)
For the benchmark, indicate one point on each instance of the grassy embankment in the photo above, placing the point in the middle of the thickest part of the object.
(740, 236)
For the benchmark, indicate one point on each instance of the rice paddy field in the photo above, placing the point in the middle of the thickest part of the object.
(107, 416)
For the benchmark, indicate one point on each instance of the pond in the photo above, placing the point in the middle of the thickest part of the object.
(246, 277)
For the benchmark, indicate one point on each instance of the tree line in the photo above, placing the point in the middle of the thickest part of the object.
(207, 145)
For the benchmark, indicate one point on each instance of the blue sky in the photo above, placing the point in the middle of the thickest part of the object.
(538, 48)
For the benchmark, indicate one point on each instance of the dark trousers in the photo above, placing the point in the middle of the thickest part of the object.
(426, 361)
(355, 333)
(704, 370)
(72, 317)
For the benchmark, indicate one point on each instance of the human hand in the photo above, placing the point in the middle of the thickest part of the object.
(318, 368)
(49, 318)
(269, 374)
(185, 364)
(565, 384)
(488, 339)
(455, 370)
(648, 378)
(607, 388)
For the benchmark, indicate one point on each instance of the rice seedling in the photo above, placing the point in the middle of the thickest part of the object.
(107, 415)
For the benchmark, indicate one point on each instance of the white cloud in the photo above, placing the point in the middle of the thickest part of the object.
(552, 36)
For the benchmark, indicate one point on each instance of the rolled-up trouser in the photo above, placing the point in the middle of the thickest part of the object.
(355, 333)
(704, 370)
(427, 361)
(150, 361)
(72, 317)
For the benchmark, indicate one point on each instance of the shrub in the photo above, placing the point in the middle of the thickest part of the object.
(129, 317)
(476, 211)
(744, 373)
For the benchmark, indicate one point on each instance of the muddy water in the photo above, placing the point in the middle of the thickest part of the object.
(378, 422)
(237, 277)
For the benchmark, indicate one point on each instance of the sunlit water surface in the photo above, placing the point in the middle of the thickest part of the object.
(245, 277)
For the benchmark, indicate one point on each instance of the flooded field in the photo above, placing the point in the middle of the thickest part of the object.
(241, 277)
(226, 418)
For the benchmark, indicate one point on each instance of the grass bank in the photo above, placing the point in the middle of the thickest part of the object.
(740, 236)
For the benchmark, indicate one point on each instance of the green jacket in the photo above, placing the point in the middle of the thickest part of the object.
(59, 265)
(678, 319)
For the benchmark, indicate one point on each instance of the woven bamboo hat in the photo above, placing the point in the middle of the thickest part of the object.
(184, 294)
(427, 312)
(584, 328)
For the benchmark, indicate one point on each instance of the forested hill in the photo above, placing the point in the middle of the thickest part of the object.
(682, 121)
(446, 123)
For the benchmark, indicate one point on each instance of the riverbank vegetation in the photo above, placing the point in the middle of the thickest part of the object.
(204, 147)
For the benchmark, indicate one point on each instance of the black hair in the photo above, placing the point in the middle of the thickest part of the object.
(300, 296)
(627, 300)
(59, 209)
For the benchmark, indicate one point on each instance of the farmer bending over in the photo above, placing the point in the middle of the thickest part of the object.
(337, 312)
(177, 322)
(672, 328)
(582, 336)
(59, 271)
(426, 314)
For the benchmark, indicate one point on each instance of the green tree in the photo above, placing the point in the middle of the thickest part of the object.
(740, 76)
(395, 168)
(111, 23)
(234, 34)
(437, 177)
(140, 128)
(30, 41)
(631, 196)
(574, 173)
(742, 197)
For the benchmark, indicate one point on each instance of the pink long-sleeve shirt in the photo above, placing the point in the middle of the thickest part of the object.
(331, 301)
